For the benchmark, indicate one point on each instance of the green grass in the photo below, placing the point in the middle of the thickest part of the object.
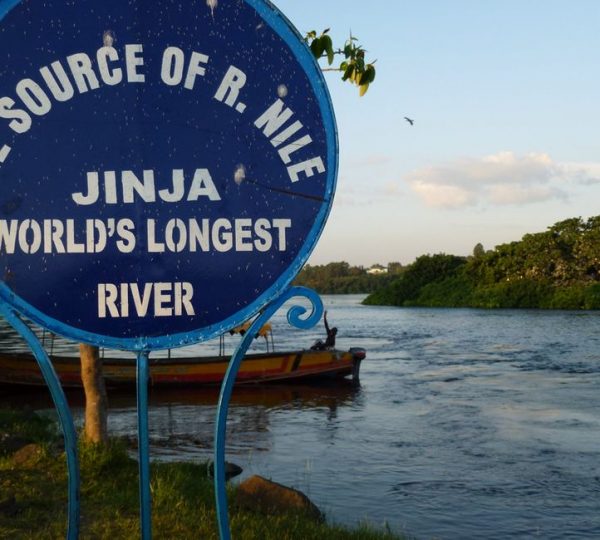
(182, 498)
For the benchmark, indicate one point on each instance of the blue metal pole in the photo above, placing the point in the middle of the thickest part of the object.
(64, 415)
(295, 315)
(221, 429)
(142, 375)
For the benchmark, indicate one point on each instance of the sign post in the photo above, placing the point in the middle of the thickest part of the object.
(165, 170)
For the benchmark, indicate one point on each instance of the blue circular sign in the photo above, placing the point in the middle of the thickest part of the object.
(165, 167)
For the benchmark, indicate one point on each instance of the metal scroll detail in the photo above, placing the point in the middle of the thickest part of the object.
(296, 317)
(64, 414)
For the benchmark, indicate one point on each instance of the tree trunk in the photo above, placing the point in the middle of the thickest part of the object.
(96, 402)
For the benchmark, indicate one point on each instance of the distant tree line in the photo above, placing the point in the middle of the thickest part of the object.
(341, 278)
(555, 269)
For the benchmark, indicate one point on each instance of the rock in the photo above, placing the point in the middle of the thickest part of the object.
(231, 470)
(258, 493)
(28, 454)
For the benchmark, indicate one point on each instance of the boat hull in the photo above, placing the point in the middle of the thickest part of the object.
(22, 369)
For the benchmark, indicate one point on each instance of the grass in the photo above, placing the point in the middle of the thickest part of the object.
(182, 496)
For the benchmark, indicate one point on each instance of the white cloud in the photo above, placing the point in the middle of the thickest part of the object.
(393, 189)
(500, 179)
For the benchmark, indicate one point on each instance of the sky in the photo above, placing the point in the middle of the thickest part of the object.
(505, 100)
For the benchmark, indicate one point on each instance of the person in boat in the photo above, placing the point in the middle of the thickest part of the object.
(329, 342)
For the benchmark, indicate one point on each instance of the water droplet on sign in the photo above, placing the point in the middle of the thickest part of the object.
(212, 4)
(108, 38)
(282, 90)
(240, 174)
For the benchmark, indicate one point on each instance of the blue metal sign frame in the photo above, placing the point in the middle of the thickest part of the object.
(12, 307)
(306, 61)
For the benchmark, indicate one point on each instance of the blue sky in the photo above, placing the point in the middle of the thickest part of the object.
(504, 95)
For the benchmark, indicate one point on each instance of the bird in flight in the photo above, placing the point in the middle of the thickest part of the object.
(409, 120)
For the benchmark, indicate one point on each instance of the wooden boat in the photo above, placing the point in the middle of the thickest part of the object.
(22, 369)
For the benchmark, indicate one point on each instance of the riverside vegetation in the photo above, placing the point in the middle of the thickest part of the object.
(33, 494)
(555, 269)
(341, 278)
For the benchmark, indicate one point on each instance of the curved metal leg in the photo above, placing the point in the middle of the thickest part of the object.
(295, 319)
(64, 415)
(142, 375)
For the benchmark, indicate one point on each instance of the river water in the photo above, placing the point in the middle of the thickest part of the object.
(467, 423)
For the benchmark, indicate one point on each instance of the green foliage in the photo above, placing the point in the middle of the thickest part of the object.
(478, 250)
(340, 278)
(525, 293)
(453, 291)
(555, 269)
(591, 297)
(353, 67)
(427, 269)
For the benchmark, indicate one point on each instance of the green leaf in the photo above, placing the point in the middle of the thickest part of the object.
(317, 48)
(348, 73)
(369, 74)
(363, 89)
(328, 48)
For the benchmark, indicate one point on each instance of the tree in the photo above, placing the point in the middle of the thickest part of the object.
(478, 250)
(353, 67)
(96, 403)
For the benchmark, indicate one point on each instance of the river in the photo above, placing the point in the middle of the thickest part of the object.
(467, 423)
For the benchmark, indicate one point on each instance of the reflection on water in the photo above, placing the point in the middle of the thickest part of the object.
(468, 423)
(182, 419)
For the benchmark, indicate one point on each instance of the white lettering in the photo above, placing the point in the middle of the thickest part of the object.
(281, 225)
(81, 68)
(53, 233)
(230, 87)
(144, 188)
(58, 83)
(287, 150)
(307, 167)
(126, 299)
(21, 120)
(203, 186)
(265, 240)
(4, 151)
(179, 226)
(222, 237)
(72, 245)
(178, 188)
(195, 69)
(273, 118)
(133, 60)
(173, 62)
(109, 77)
(153, 245)
(92, 191)
(33, 97)
(8, 235)
(107, 298)
(125, 228)
(243, 235)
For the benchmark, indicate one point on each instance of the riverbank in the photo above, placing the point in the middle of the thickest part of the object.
(33, 494)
